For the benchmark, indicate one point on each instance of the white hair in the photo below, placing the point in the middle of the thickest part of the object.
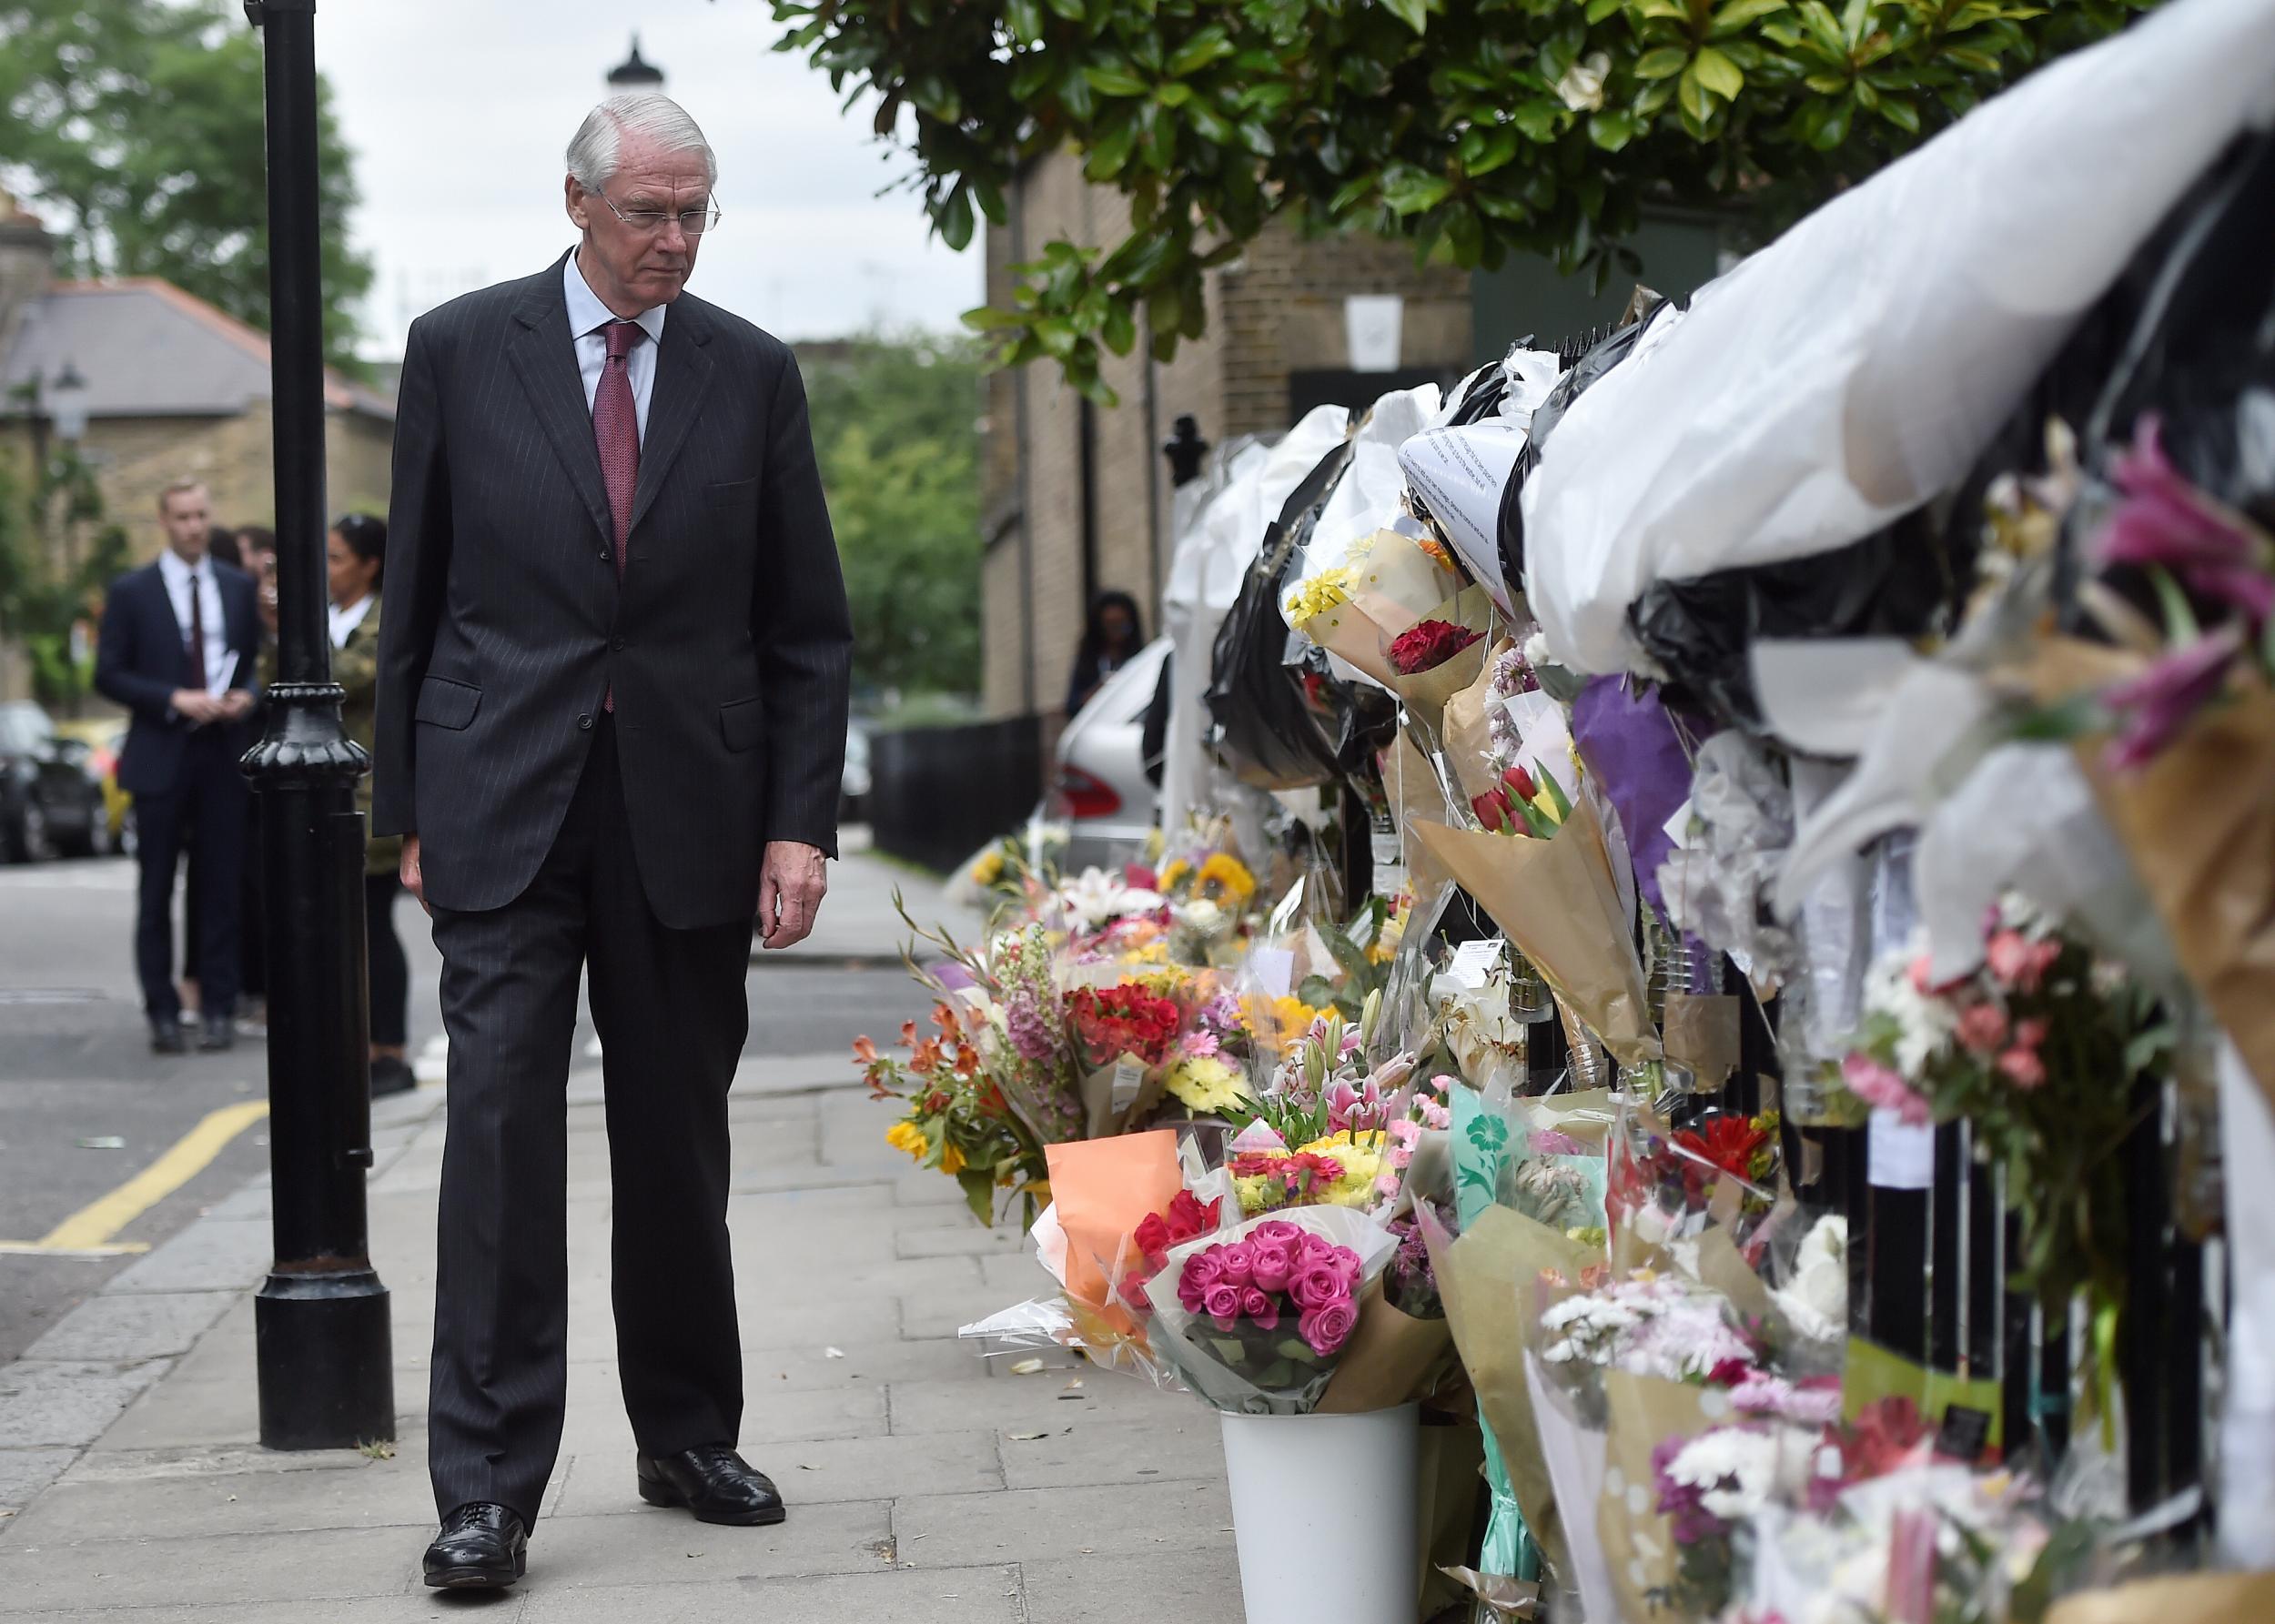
(656, 120)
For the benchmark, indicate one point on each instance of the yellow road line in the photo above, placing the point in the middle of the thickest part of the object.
(90, 1231)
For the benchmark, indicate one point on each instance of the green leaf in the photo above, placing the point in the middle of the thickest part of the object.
(1207, 46)
(1074, 10)
(1600, 9)
(1111, 152)
(1697, 101)
(1414, 191)
(1718, 74)
(2180, 624)
(1737, 13)
(1663, 63)
(1414, 13)
(1113, 81)
(1119, 330)
(1025, 19)
(979, 1193)
(1900, 112)
(1611, 131)
(1672, 10)
(955, 218)
(1539, 119)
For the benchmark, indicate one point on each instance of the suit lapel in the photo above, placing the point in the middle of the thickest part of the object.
(544, 357)
(683, 378)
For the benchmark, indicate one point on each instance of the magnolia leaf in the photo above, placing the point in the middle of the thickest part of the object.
(1113, 81)
(1718, 74)
(1737, 13)
(1900, 112)
(1662, 64)
(1074, 10)
(1414, 13)
(1611, 131)
(1698, 103)
(1207, 46)
(1600, 9)
(1025, 18)
(955, 218)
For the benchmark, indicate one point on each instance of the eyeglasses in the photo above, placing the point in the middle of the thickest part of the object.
(694, 222)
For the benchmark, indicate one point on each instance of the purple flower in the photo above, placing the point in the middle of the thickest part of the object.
(2165, 522)
(2159, 703)
(1031, 1030)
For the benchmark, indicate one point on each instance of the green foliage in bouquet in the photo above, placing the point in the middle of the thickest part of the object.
(1473, 129)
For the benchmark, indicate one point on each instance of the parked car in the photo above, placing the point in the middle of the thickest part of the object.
(105, 737)
(853, 795)
(1099, 787)
(48, 805)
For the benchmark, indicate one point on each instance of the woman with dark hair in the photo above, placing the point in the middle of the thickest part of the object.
(1108, 642)
(355, 557)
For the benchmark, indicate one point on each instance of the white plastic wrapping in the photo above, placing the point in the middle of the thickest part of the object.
(1858, 364)
(1206, 569)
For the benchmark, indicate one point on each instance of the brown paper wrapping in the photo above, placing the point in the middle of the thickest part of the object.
(1556, 901)
(1348, 631)
(2198, 823)
(1100, 1120)
(2175, 1599)
(1700, 1031)
(1420, 800)
(1467, 735)
(1485, 1279)
(1391, 1358)
(1638, 1547)
(1398, 584)
(1453, 1457)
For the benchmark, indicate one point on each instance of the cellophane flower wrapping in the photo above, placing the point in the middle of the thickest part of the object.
(1253, 1319)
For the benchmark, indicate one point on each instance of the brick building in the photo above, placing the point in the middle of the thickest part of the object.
(1076, 497)
(173, 388)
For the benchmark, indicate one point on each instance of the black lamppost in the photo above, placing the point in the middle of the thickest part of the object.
(321, 1320)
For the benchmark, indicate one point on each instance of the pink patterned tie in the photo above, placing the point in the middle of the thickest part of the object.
(616, 432)
(616, 428)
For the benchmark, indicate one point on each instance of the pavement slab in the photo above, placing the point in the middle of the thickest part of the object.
(927, 1484)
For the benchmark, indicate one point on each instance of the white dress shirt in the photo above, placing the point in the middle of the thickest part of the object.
(587, 317)
(179, 578)
(344, 621)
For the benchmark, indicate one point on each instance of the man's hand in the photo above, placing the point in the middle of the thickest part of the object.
(195, 706)
(790, 891)
(408, 872)
(237, 704)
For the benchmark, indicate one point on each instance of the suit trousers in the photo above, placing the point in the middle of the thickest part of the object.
(670, 1011)
(205, 812)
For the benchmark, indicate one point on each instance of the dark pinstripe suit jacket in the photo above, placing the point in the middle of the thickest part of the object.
(727, 644)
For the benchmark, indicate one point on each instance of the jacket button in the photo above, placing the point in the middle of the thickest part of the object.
(616, 643)
(607, 557)
(585, 721)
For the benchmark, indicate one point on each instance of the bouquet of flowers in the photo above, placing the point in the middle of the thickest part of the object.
(2038, 1049)
(1254, 1318)
(1428, 644)
(960, 1119)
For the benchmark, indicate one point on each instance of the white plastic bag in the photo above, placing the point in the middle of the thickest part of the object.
(1858, 364)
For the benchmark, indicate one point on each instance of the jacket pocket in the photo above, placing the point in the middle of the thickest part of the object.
(742, 722)
(730, 492)
(446, 703)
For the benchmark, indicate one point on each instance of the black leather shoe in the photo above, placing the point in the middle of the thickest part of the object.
(219, 1034)
(714, 1483)
(391, 1075)
(166, 1038)
(481, 1547)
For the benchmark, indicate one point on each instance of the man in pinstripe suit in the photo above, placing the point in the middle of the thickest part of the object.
(612, 721)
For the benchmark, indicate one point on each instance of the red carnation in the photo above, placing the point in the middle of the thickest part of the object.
(1428, 644)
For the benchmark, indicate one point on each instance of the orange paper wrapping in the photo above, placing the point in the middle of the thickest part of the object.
(1104, 1188)
(1555, 900)
(2198, 823)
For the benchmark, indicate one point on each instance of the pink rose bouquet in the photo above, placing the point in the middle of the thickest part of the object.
(1255, 1318)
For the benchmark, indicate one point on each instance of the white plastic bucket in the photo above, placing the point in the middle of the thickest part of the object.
(1323, 1511)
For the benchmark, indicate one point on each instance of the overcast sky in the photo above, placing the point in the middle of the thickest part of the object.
(459, 110)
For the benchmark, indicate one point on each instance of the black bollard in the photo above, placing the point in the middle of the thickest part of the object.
(324, 1351)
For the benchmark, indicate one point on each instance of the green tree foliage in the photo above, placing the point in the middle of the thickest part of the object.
(1475, 128)
(139, 124)
(896, 429)
(56, 556)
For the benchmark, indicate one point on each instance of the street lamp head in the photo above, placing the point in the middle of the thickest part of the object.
(635, 74)
(67, 404)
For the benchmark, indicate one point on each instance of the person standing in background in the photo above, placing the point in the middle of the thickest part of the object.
(179, 645)
(1112, 637)
(355, 560)
(259, 546)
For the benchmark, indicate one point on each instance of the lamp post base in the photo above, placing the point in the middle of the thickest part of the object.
(325, 1352)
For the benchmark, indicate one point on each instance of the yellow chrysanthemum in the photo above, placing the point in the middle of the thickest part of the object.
(1227, 874)
(1361, 1158)
(951, 1160)
(908, 1136)
(1174, 873)
(988, 869)
(1294, 1016)
(1317, 594)
(1205, 1084)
